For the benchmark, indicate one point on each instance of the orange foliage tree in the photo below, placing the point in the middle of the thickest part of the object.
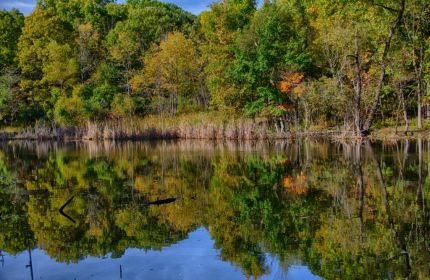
(291, 83)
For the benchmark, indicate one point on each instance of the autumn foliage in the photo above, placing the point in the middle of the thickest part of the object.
(290, 82)
(295, 186)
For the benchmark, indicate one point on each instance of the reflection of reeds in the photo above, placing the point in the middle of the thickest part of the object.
(120, 149)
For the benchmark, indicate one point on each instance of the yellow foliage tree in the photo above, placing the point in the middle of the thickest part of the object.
(172, 72)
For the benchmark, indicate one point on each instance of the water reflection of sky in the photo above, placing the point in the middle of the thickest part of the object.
(193, 258)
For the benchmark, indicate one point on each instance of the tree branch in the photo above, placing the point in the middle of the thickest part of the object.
(384, 7)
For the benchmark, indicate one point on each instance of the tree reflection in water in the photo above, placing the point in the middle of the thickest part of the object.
(347, 210)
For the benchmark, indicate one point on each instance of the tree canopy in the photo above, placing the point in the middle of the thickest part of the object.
(294, 65)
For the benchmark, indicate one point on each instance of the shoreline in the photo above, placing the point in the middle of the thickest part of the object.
(385, 134)
(203, 126)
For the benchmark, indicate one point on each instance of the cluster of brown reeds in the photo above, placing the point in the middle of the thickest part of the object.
(151, 129)
(192, 126)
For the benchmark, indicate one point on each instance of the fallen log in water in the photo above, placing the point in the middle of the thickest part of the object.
(161, 201)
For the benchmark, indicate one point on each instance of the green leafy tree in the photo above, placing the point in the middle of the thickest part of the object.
(77, 11)
(274, 43)
(12, 101)
(71, 110)
(41, 28)
(60, 67)
(11, 23)
(219, 27)
(172, 68)
(147, 22)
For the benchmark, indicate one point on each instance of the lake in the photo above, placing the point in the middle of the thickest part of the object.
(302, 209)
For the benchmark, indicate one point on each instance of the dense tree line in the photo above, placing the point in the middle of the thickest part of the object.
(292, 64)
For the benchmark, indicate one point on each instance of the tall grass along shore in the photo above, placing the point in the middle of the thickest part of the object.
(192, 126)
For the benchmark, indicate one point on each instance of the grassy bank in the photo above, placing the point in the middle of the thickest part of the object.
(191, 126)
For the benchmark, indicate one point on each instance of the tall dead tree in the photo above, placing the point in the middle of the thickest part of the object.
(376, 101)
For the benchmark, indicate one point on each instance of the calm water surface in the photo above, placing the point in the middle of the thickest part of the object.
(308, 209)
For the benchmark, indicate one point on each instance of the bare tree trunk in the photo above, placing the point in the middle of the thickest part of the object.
(281, 123)
(397, 120)
(128, 66)
(81, 55)
(358, 89)
(428, 112)
(306, 119)
(296, 115)
(418, 69)
(405, 112)
(376, 101)
(418, 59)
(419, 109)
